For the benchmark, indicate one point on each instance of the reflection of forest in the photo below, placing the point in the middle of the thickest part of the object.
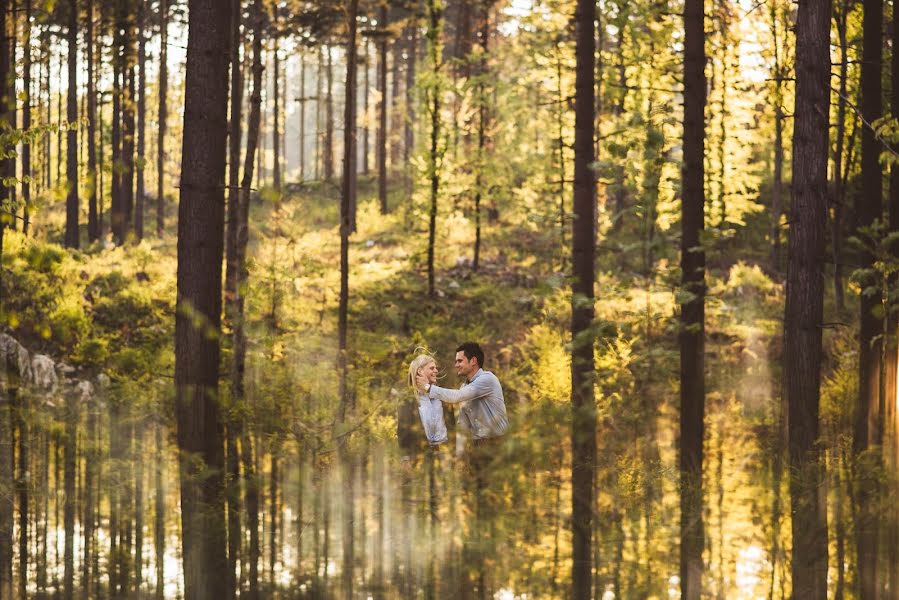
(423, 525)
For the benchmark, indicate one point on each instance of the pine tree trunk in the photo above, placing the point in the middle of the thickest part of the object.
(128, 108)
(347, 227)
(692, 332)
(141, 118)
(200, 250)
(239, 336)
(583, 250)
(868, 430)
(276, 116)
(839, 169)
(396, 117)
(138, 464)
(163, 115)
(381, 150)
(72, 133)
(7, 489)
(116, 214)
(302, 101)
(891, 356)
(365, 97)
(329, 117)
(319, 158)
(435, 18)
(232, 267)
(804, 303)
(273, 517)
(26, 120)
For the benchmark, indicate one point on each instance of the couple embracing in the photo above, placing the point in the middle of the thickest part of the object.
(482, 407)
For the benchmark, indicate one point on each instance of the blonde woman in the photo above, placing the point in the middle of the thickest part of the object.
(431, 411)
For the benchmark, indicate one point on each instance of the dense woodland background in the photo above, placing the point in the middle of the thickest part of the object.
(227, 226)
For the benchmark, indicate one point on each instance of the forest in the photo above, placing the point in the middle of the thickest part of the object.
(227, 227)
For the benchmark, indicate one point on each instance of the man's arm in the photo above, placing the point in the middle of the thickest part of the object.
(479, 387)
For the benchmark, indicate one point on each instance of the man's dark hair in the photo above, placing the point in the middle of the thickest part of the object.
(472, 350)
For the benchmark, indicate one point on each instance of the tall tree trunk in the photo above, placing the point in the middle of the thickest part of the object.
(128, 108)
(583, 251)
(116, 214)
(302, 101)
(381, 142)
(868, 430)
(319, 158)
(163, 115)
(839, 165)
(26, 120)
(238, 360)
(411, 62)
(891, 356)
(433, 95)
(232, 267)
(804, 303)
(7, 490)
(483, 112)
(365, 97)
(72, 133)
(347, 227)
(141, 118)
(200, 250)
(777, 183)
(93, 217)
(276, 116)
(692, 327)
(329, 116)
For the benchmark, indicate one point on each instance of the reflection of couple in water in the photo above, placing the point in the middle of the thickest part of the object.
(482, 408)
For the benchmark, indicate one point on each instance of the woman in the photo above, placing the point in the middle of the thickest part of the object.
(431, 411)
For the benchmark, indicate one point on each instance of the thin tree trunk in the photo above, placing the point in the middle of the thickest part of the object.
(839, 169)
(72, 133)
(238, 363)
(276, 116)
(91, 456)
(232, 267)
(435, 25)
(583, 251)
(200, 250)
(365, 112)
(804, 303)
(347, 227)
(381, 142)
(329, 116)
(141, 118)
(692, 331)
(26, 118)
(128, 109)
(24, 479)
(302, 101)
(138, 463)
(163, 115)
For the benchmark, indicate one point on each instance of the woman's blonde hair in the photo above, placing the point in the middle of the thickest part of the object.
(418, 363)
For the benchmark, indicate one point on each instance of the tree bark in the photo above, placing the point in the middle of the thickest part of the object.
(435, 15)
(276, 116)
(347, 227)
(159, 517)
(26, 118)
(583, 252)
(381, 150)
(163, 115)
(140, 192)
(329, 116)
(692, 332)
(199, 281)
(72, 133)
(839, 165)
(804, 303)
(868, 429)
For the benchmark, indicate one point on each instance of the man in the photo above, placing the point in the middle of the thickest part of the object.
(482, 408)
